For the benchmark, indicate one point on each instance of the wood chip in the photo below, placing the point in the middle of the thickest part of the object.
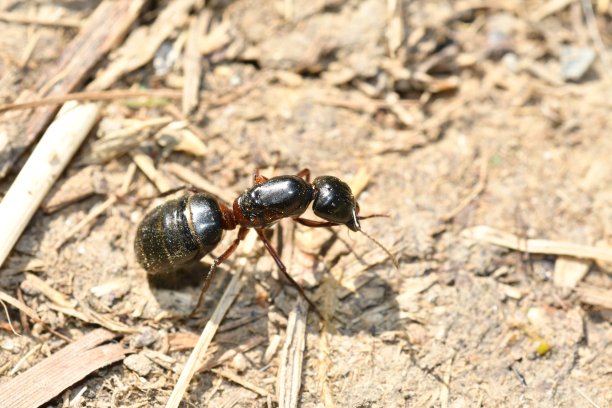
(61, 370)
(595, 296)
(569, 271)
(147, 166)
(395, 29)
(216, 39)
(75, 188)
(177, 136)
(182, 341)
(14, 18)
(413, 286)
(360, 181)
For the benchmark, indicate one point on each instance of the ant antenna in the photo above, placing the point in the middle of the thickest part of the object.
(381, 246)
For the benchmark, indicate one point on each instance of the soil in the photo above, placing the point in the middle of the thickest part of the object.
(455, 114)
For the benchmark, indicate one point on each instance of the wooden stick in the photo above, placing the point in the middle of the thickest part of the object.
(47, 162)
(498, 237)
(292, 356)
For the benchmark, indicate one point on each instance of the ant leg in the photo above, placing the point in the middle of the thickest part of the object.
(313, 223)
(242, 232)
(320, 224)
(258, 178)
(305, 174)
(283, 269)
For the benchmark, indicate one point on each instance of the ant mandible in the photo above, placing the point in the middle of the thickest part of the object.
(185, 229)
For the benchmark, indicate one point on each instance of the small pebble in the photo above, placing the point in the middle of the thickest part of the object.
(139, 364)
(240, 363)
(8, 345)
(575, 62)
(144, 339)
(370, 296)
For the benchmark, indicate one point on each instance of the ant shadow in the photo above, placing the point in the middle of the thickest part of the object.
(370, 307)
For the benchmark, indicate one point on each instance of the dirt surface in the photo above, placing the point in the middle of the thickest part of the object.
(451, 115)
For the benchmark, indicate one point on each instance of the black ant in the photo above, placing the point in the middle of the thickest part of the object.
(185, 229)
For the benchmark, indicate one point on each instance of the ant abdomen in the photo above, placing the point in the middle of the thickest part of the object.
(178, 232)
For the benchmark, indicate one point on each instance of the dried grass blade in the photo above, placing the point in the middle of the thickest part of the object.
(505, 239)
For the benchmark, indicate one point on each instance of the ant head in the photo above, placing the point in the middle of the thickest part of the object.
(334, 201)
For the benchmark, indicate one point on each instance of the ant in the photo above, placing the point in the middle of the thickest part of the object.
(185, 229)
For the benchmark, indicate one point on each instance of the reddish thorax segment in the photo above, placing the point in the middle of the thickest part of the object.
(229, 221)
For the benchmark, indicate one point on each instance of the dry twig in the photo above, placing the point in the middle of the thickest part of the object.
(47, 162)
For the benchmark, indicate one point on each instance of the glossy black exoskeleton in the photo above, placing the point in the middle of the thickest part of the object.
(180, 231)
(185, 229)
(273, 199)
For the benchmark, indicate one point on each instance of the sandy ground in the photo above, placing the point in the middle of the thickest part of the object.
(457, 113)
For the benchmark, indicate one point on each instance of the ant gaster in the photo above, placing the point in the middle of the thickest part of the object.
(185, 229)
